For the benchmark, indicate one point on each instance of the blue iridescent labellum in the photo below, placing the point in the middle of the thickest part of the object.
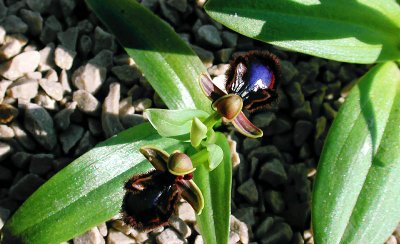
(254, 77)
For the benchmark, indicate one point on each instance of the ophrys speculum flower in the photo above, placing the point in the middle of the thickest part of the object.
(251, 83)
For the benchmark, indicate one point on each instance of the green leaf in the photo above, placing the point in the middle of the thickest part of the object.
(168, 63)
(356, 192)
(87, 192)
(215, 156)
(216, 189)
(173, 122)
(363, 31)
(198, 132)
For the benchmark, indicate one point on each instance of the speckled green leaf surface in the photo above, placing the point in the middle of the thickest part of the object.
(167, 62)
(364, 31)
(216, 188)
(87, 192)
(357, 192)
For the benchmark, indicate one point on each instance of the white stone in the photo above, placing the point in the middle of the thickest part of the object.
(89, 77)
(92, 236)
(240, 228)
(64, 81)
(186, 212)
(4, 214)
(2, 34)
(180, 226)
(169, 236)
(4, 84)
(24, 88)
(46, 58)
(116, 237)
(21, 64)
(64, 57)
(12, 46)
(103, 229)
(53, 88)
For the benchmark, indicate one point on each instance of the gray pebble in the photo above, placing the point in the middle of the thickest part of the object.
(186, 212)
(224, 55)
(103, 59)
(244, 43)
(249, 191)
(110, 113)
(171, 14)
(21, 64)
(70, 137)
(169, 236)
(89, 77)
(22, 189)
(85, 144)
(43, 100)
(278, 126)
(302, 130)
(209, 36)
(246, 215)
(52, 88)
(6, 133)
(24, 88)
(265, 152)
(142, 104)
(84, 45)
(126, 73)
(280, 233)
(51, 27)
(68, 38)
(21, 159)
(14, 8)
(316, 103)
(39, 5)
(150, 4)
(4, 214)
(205, 56)
(13, 24)
(320, 127)
(86, 102)
(3, 12)
(40, 124)
(33, 20)
(22, 137)
(303, 111)
(264, 227)
(62, 118)
(329, 112)
(64, 57)
(12, 46)
(275, 201)
(273, 173)
(103, 40)
(311, 88)
(85, 27)
(229, 39)
(41, 163)
(46, 58)
(95, 127)
(67, 6)
(116, 237)
(262, 120)
(179, 5)
(180, 226)
(295, 93)
(92, 236)
(328, 76)
(5, 174)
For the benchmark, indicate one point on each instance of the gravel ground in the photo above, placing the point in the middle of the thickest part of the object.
(67, 85)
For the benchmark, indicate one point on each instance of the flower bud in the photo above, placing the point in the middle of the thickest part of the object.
(229, 106)
(180, 164)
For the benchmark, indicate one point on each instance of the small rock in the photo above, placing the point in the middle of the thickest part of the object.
(13, 24)
(219, 69)
(179, 5)
(43, 100)
(7, 113)
(41, 163)
(224, 54)
(288, 71)
(85, 26)
(64, 57)
(205, 56)
(103, 40)
(264, 227)
(2, 34)
(67, 6)
(46, 58)
(51, 75)
(25, 187)
(40, 124)
(15, 7)
(249, 191)
(116, 237)
(150, 4)
(170, 14)
(69, 38)
(64, 81)
(92, 236)
(186, 212)
(180, 226)
(126, 73)
(4, 84)
(3, 12)
(303, 111)
(250, 144)
(278, 126)
(70, 137)
(62, 118)
(4, 214)
(5, 174)
(89, 77)
(233, 238)
(84, 45)
(86, 102)
(24, 88)
(95, 127)
(85, 144)
(273, 173)
(21, 64)
(280, 233)
(265, 152)
(264, 119)
(110, 114)
(329, 112)
(302, 130)
(22, 137)
(33, 20)
(208, 35)
(142, 104)
(275, 201)
(103, 229)
(229, 39)
(38, 5)
(169, 236)
(295, 94)
(21, 159)
(6, 133)
(246, 215)
(198, 240)
(52, 88)
(51, 27)
(103, 59)
(239, 228)
(390, 240)
(12, 46)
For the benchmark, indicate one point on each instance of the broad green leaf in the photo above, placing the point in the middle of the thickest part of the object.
(173, 122)
(216, 189)
(357, 191)
(87, 192)
(168, 63)
(215, 156)
(364, 31)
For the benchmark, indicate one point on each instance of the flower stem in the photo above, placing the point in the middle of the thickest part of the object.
(199, 158)
(211, 120)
